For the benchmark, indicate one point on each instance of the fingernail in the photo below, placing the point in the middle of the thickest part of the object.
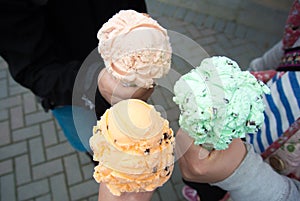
(203, 153)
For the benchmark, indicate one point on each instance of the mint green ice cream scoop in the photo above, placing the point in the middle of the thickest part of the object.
(219, 102)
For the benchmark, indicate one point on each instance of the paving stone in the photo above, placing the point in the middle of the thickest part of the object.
(3, 88)
(33, 189)
(16, 117)
(73, 170)
(209, 22)
(236, 51)
(5, 133)
(3, 114)
(176, 175)
(36, 148)
(38, 117)
(59, 188)
(169, 11)
(155, 197)
(26, 133)
(167, 192)
(173, 113)
(206, 40)
(190, 16)
(84, 159)
(23, 169)
(59, 150)
(207, 31)
(178, 190)
(93, 198)
(49, 133)
(10, 102)
(175, 126)
(11, 81)
(88, 171)
(3, 65)
(3, 73)
(241, 31)
(218, 49)
(29, 103)
(47, 169)
(6, 167)
(199, 20)
(17, 89)
(223, 41)
(156, 98)
(12, 150)
(219, 24)
(7, 186)
(84, 189)
(194, 32)
(238, 42)
(45, 198)
(180, 13)
(230, 28)
(61, 136)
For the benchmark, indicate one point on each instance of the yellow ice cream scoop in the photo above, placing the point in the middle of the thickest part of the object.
(134, 146)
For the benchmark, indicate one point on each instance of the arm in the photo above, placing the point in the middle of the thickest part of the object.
(238, 170)
(29, 49)
(270, 59)
(105, 195)
(256, 180)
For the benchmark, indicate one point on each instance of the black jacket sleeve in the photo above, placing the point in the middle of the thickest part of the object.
(45, 42)
(28, 48)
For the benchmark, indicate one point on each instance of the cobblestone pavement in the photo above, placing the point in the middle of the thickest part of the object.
(36, 161)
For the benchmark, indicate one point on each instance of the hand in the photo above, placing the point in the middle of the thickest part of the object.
(199, 165)
(105, 195)
(113, 91)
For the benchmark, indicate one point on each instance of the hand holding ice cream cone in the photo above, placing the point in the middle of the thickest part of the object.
(114, 91)
(200, 165)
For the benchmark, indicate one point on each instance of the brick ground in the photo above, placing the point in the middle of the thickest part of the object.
(36, 161)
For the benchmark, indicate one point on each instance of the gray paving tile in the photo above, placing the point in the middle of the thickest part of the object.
(16, 117)
(84, 189)
(26, 133)
(7, 188)
(167, 192)
(59, 188)
(49, 133)
(36, 148)
(88, 171)
(8, 102)
(6, 167)
(29, 103)
(47, 169)
(23, 169)
(73, 172)
(3, 88)
(33, 189)
(12, 150)
(5, 133)
(3, 72)
(3, 114)
(59, 150)
(37, 117)
(46, 197)
(16, 89)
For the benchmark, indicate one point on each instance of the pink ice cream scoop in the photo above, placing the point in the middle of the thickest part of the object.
(135, 48)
